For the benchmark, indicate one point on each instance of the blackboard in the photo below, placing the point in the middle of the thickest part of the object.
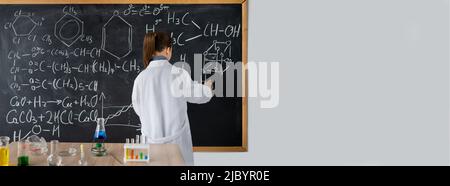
(62, 66)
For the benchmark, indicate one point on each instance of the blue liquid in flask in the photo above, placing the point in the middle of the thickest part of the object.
(100, 135)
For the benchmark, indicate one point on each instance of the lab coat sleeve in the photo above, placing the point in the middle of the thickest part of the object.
(135, 97)
(197, 93)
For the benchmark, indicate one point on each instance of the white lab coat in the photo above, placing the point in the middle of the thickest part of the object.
(160, 96)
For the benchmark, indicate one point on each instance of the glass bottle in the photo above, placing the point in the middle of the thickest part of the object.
(54, 159)
(4, 150)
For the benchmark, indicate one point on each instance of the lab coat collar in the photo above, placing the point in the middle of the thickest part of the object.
(156, 63)
(154, 58)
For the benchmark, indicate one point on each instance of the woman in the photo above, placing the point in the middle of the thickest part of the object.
(160, 101)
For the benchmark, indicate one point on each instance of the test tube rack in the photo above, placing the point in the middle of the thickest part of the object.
(136, 152)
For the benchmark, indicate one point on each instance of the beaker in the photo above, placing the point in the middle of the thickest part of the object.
(54, 159)
(22, 153)
(4, 150)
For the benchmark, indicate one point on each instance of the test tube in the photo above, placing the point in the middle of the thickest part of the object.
(127, 140)
(143, 139)
(130, 156)
(137, 139)
(132, 141)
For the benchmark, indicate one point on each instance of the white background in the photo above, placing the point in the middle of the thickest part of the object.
(362, 83)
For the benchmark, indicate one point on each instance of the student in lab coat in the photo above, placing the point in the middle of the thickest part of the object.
(160, 95)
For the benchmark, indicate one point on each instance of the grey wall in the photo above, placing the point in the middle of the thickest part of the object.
(362, 83)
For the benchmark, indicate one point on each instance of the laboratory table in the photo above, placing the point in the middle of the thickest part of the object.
(160, 155)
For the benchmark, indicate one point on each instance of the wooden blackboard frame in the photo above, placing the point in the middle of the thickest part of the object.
(244, 146)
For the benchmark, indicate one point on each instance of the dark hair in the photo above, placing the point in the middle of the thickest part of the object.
(155, 42)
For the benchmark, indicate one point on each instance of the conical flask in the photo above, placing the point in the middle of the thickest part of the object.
(98, 147)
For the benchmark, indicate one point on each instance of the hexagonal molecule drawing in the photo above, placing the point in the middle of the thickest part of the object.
(23, 25)
(219, 53)
(68, 29)
(117, 36)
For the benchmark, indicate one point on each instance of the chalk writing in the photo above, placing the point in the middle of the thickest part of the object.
(64, 66)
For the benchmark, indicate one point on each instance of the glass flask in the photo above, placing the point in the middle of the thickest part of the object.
(54, 159)
(98, 147)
